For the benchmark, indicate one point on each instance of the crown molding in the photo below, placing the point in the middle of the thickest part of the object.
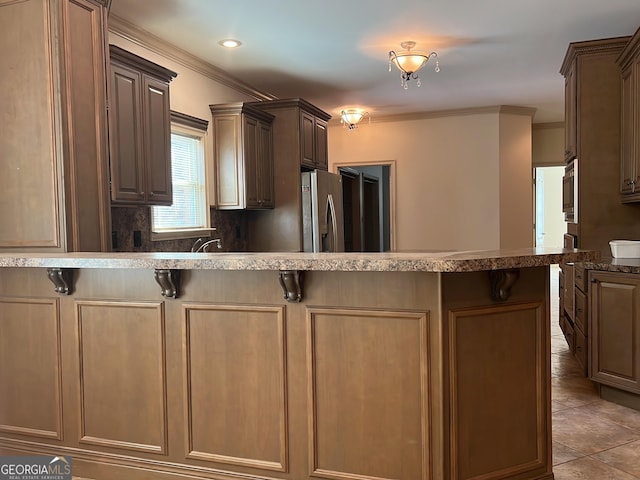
(124, 29)
(514, 110)
(125, 58)
(601, 46)
(403, 117)
(629, 51)
(294, 103)
(189, 121)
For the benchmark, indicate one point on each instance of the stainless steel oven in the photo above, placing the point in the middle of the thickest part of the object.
(570, 192)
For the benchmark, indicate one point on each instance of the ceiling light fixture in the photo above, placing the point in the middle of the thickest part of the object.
(409, 62)
(229, 43)
(350, 117)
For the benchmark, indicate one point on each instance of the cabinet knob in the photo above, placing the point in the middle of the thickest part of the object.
(151, 194)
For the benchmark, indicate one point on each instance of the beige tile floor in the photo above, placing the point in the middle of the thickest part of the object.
(592, 439)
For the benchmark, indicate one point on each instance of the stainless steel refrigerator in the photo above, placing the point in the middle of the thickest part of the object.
(322, 217)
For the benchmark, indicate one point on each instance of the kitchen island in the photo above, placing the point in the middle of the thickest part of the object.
(408, 366)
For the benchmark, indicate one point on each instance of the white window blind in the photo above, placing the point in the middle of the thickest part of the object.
(189, 210)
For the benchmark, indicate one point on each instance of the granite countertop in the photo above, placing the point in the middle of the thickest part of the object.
(621, 265)
(453, 261)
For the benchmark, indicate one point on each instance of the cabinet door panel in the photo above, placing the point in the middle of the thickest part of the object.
(126, 136)
(581, 350)
(627, 154)
(581, 311)
(635, 131)
(265, 171)
(569, 291)
(570, 112)
(121, 347)
(321, 144)
(355, 430)
(31, 393)
(615, 330)
(306, 138)
(483, 441)
(227, 148)
(251, 160)
(237, 411)
(157, 141)
(28, 133)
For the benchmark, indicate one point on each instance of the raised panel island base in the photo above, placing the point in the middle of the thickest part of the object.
(280, 366)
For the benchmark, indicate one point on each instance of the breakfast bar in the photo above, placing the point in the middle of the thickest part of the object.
(254, 366)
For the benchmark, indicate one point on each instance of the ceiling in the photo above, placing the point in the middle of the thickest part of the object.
(334, 53)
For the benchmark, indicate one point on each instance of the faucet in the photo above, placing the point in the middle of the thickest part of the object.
(200, 246)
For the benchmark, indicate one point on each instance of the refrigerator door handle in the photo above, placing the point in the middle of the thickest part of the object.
(331, 212)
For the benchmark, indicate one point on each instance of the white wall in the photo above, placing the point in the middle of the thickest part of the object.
(516, 182)
(448, 186)
(547, 144)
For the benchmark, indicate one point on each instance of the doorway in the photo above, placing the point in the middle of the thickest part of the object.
(368, 206)
(549, 219)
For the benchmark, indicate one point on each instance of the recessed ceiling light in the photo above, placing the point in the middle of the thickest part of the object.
(229, 43)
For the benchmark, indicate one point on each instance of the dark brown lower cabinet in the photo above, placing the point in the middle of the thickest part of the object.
(615, 330)
(574, 312)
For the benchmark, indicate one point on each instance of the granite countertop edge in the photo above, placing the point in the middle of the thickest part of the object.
(441, 261)
(616, 265)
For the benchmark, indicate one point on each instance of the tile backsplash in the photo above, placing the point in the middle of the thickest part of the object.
(131, 231)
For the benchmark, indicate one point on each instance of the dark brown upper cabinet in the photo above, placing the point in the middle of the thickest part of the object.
(629, 63)
(243, 157)
(314, 141)
(302, 128)
(570, 113)
(140, 130)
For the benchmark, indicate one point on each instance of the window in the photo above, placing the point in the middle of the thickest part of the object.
(189, 213)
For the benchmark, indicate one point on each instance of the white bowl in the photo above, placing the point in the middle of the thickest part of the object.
(625, 248)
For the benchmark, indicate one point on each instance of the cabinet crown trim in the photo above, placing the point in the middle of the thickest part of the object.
(633, 46)
(236, 108)
(605, 45)
(124, 57)
(293, 103)
(189, 121)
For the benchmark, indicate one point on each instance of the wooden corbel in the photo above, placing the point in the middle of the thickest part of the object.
(501, 283)
(291, 283)
(169, 281)
(62, 278)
